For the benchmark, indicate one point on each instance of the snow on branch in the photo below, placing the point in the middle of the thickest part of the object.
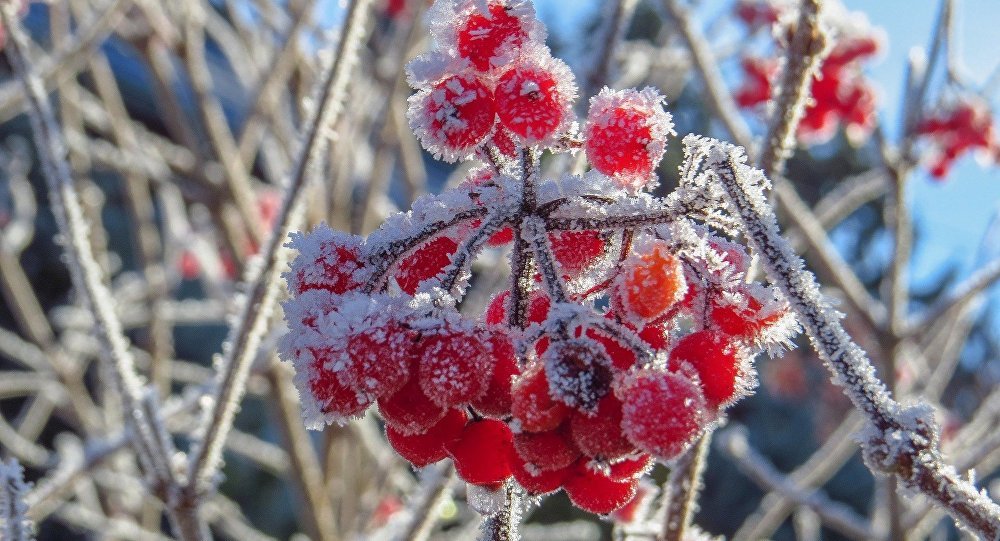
(900, 440)
(14, 523)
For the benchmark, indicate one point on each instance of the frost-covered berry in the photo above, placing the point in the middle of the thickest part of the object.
(662, 412)
(599, 434)
(576, 250)
(744, 317)
(327, 259)
(534, 99)
(597, 493)
(579, 372)
(482, 452)
(485, 38)
(630, 468)
(409, 410)
(651, 283)
(497, 311)
(455, 366)
(533, 406)
(496, 401)
(428, 447)
(714, 360)
(626, 134)
(377, 359)
(425, 263)
(535, 481)
(453, 117)
(331, 396)
(547, 451)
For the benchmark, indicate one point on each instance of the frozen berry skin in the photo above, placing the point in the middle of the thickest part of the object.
(651, 284)
(378, 358)
(453, 117)
(536, 481)
(626, 134)
(662, 412)
(455, 366)
(631, 467)
(332, 396)
(576, 251)
(409, 410)
(482, 452)
(425, 263)
(716, 363)
(746, 321)
(597, 493)
(497, 400)
(498, 310)
(534, 99)
(482, 38)
(533, 406)
(328, 260)
(599, 435)
(428, 447)
(547, 451)
(579, 372)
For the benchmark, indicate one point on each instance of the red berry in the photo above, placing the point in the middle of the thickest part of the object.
(547, 451)
(576, 250)
(597, 493)
(626, 134)
(662, 413)
(425, 263)
(332, 397)
(579, 372)
(428, 447)
(455, 366)
(482, 38)
(599, 434)
(496, 402)
(652, 283)
(409, 410)
(454, 117)
(534, 99)
(630, 511)
(630, 468)
(328, 260)
(378, 358)
(745, 322)
(533, 406)
(712, 358)
(482, 452)
(536, 481)
(497, 310)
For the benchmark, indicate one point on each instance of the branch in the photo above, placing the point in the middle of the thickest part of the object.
(898, 440)
(14, 522)
(245, 336)
(838, 516)
(680, 493)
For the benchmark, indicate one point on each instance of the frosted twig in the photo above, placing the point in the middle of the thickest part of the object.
(838, 516)
(245, 335)
(680, 493)
(435, 488)
(69, 59)
(819, 468)
(14, 523)
(960, 296)
(808, 48)
(154, 452)
(898, 440)
(503, 525)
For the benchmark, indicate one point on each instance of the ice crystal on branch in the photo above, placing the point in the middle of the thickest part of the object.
(544, 387)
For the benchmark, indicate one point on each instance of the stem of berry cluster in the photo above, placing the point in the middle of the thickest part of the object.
(681, 490)
(503, 526)
(898, 441)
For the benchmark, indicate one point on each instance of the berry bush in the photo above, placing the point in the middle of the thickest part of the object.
(511, 295)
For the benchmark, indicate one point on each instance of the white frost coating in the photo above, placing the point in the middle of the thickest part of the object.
(486, 502)
(14, 522)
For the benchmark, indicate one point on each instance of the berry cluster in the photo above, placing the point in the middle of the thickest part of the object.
(840, 93)
(964, 125)
(543, 387)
